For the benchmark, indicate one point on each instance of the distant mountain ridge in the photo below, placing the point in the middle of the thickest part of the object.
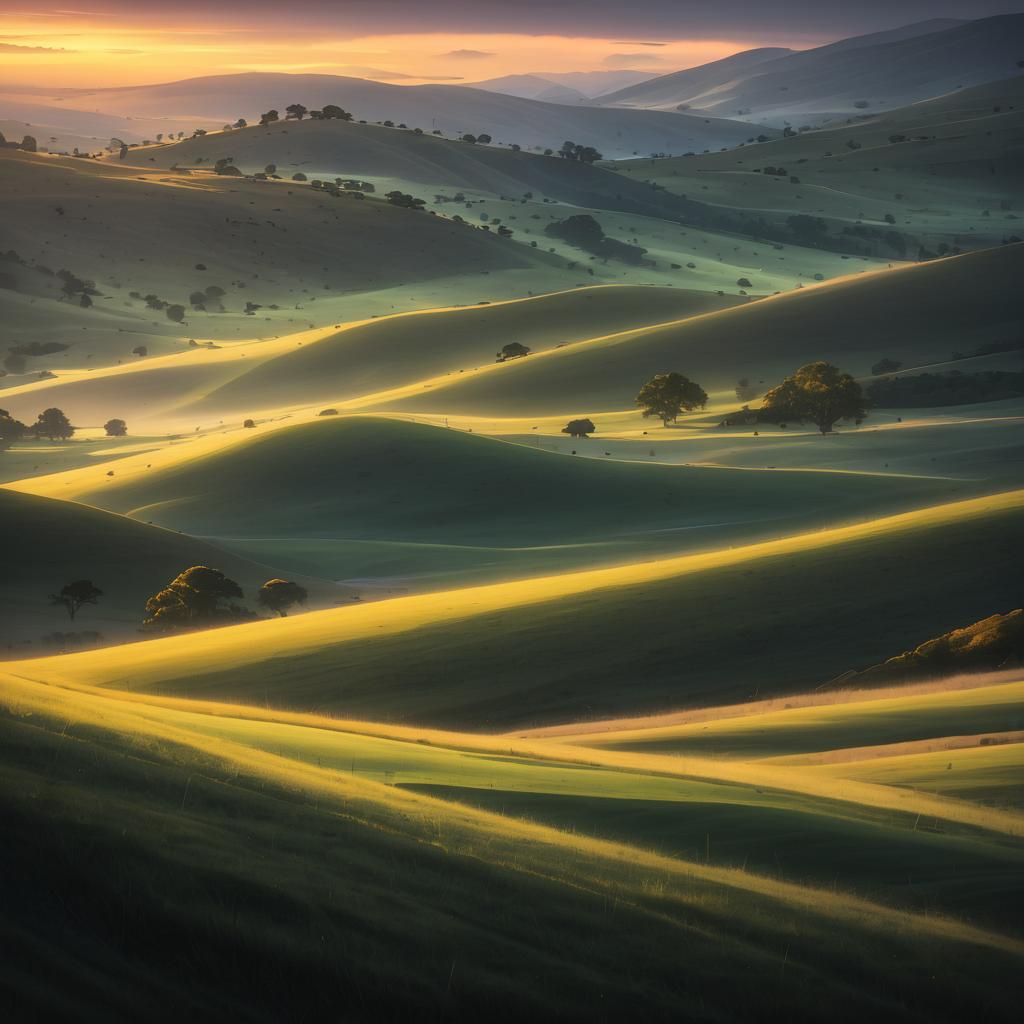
(866, 73)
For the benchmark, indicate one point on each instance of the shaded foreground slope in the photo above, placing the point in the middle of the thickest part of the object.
(283, 890)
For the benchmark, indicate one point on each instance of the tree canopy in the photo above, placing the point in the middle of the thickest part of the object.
(280, 595)
(579, 428)
(666, 395)
(52, 423)
(115, 428)
(194, 598)
(73, 595)
(513, 350)
(818, 393)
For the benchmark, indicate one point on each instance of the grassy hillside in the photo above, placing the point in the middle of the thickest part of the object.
(402, 903)
(702, 628)
(917, 314)
(944, 171)
(129, 229)
(395, 351)
(50, 543)
(368, 497)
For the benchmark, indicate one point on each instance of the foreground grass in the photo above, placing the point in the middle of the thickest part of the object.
(283, 889)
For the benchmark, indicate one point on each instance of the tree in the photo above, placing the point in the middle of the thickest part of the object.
(513, 350)
(666, 395)
(332, 112)
(249, 424)
(485, 139)
(241, 123)
(53, 424)
(817, 393)
(28, 144)
(140, 350)
(73, 595)
(115, 428)
(405, 200)
(175, 313)
(279, 595)
(194, 599)
(471, 139)
(10, 429)
(579, 428)
(295, 112)
(268, 117)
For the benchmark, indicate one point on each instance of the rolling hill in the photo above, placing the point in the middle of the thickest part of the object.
(918, 314)
(889, 70)
(258, 844)
(700, 628)
(61, 541)
(393, 502)
(943, 171)
(452, 109)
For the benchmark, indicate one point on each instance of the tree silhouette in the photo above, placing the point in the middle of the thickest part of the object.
(194, 599)
(268, 117)
(513, 350)
(73, 595)
(818, 393)
(668, 394)
(280, 595)
(10, 429)
(579, 428)
(53, 424)
(295, 112)
(115, 428)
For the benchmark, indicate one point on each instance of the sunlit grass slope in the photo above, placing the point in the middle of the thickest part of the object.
(400, 350)
(447, 494)
(50, 543)
(917, 314)
(722, 625)
(278, 886)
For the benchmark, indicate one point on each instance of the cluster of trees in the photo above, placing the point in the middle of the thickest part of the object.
(51, 424)
(196, 598)
(406, 201)
(586, 233)
(513, 350)
(574, 151)
(296, 112)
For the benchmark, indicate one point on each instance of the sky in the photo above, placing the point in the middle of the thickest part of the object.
(118, 43)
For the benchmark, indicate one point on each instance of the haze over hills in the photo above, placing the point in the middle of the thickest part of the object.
(880, 72)
(454, 110)
(564, 86)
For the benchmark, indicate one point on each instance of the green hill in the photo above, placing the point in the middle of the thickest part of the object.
(50, 543)
(277, 887)
(702, 628)
(397, 351)
(378, 498)
(917, 314)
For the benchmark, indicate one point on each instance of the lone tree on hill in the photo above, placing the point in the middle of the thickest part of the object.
(513, 350)
(193, 599)
(73, 595)
(115, 428)
(268, 117)
(332, 112)
(817, 393)
(295, 112)
(280, 595)
(579, 428)
(53, 424)
(668, 394)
